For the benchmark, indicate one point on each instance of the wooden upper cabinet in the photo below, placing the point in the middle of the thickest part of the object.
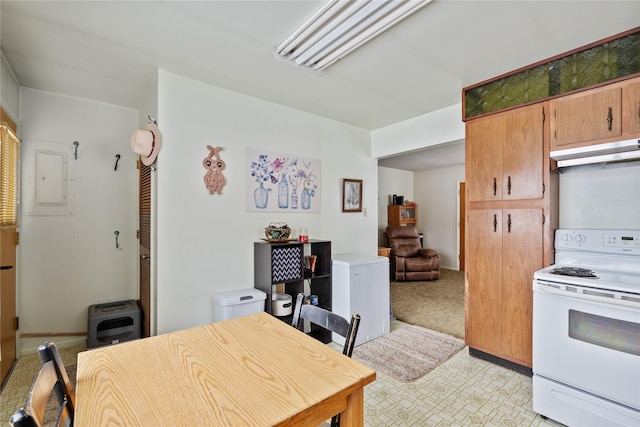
(504, 155)
(631, 107)
(483, 158)
(522, 155)
(587, 116)
(596, 116)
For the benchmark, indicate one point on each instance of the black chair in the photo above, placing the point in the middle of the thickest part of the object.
(330, 321)
(52, 378)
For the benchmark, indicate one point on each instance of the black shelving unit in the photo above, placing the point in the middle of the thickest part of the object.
(283, 262)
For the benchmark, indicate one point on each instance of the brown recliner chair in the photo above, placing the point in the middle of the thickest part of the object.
(408, 260)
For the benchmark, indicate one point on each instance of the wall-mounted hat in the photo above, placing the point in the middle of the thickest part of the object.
(146, 143)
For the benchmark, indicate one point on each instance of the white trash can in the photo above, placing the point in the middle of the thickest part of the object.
(238, 303)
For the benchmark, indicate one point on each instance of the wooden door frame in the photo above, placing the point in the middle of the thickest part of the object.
(461, 224)
(145, 212)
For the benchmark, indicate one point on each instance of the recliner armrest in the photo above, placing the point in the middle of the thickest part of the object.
(427, 253)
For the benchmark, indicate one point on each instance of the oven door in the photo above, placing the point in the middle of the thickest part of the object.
(588, 339)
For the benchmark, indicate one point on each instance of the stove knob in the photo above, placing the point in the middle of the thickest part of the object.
(566, 237)
(581, 238)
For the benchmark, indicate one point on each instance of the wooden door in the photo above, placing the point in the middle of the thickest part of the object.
(522, 154)
(462, 223)
(522, 255)
(483, 278)
(144, 234)
(631, 107)
(595, 114)
(483, 157)
(8, 320)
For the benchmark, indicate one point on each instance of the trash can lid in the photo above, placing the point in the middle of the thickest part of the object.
(239, 296)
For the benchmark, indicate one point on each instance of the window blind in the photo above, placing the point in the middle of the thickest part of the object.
(9, 151)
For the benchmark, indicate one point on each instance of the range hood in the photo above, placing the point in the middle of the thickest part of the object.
(610, 152)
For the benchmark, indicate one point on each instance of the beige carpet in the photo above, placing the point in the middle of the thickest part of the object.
(408, 353)
(436, 305)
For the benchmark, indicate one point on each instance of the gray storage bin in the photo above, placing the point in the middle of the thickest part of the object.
(112, 323)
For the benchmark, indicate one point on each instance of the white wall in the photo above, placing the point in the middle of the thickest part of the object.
(600, 198)
(205, 242)
(390, 182)
(428, 130)
(436, 192)
(9, 90)
(67, 263)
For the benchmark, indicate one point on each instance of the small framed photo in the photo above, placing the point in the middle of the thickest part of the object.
(351, 195)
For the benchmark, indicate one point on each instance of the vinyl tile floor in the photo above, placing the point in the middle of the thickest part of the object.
(462, 391)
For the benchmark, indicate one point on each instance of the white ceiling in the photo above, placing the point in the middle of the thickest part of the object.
(109, 51)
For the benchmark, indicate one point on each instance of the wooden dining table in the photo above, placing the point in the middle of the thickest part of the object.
(250, 371)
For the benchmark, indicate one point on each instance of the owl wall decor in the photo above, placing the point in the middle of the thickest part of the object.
(214, 179)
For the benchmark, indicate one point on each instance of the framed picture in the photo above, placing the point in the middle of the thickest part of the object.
(351, 195)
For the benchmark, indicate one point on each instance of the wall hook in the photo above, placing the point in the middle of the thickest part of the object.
(117, 233)
(117, 159)
(75, 153)
(152, 120)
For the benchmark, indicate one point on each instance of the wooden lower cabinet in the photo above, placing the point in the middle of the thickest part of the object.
(504, 249)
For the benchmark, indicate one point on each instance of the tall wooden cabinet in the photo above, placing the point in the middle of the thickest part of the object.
(509, 227)
(283, 265)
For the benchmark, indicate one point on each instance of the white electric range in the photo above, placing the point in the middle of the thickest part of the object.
(586, 329)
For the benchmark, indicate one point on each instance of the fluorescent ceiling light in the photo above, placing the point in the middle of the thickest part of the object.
(342, 26)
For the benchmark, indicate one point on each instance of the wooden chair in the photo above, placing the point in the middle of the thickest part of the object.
(52, 378)
(330, 321)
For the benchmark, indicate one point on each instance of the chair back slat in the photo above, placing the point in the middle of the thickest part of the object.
(51, 379)
(63, 388)
(327, 320)
(330, 321)
(41, 390)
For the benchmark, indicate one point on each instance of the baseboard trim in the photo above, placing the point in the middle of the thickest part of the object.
(501, 362)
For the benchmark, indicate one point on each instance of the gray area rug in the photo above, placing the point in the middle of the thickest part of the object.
(408, 353)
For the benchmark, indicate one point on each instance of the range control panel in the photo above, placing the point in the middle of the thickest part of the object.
(595, 240)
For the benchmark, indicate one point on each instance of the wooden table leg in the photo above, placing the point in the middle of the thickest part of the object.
(354, 414)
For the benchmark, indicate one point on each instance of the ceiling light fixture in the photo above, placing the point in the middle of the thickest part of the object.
(342, 26)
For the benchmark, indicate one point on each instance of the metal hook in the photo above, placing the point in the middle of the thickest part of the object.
(117, 233)
(152, 120)
(117, 159)
(75, 154)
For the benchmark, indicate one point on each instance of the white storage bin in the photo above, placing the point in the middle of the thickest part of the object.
(242, 302)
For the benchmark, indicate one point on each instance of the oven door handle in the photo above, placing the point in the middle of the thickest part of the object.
(581, 293)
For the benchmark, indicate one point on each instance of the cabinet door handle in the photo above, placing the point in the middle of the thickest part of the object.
(495, 186)
(610, 119)
(509, 184)
(495, 223)
(508, 223)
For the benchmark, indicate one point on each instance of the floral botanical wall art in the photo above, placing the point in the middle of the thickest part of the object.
(278, 182)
